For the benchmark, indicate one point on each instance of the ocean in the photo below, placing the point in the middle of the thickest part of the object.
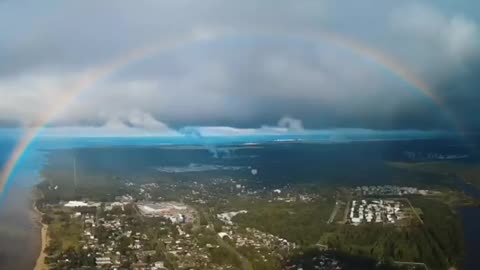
(19, 229)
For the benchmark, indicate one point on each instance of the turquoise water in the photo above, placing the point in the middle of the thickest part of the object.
(19, 231)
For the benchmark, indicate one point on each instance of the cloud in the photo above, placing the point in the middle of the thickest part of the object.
(215, 131)
(456, 35)
(134, 124)
(444, 43)
(291, 123)
(139, 119)
(248, 78)
(286, 125)
(288, 129)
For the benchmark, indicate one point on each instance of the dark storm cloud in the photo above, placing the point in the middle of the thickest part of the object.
(246, 80)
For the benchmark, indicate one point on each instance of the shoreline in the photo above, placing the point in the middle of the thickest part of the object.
(40, 262)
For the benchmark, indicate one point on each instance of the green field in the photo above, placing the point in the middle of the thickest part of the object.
(302, 223)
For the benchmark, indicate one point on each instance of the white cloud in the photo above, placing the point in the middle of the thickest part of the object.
(28, 96)
(291, 124)
(251, 77)
(134, 124)
(146, 121)
(438, 46)
(286, 125)
(463, 37)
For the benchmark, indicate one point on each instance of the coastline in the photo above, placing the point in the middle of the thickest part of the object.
(40, 262)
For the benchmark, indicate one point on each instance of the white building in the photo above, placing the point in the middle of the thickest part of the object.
(76, 204)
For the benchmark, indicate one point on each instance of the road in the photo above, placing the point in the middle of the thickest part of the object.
(413, 209)
(244, 262)
(345, 213)
(334, 212)
(412, 263)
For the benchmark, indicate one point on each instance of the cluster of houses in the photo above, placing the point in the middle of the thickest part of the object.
(188, 252)
(258, 242)
(390, 190)
(376, 211)
(107, 251)
(227, 216)
(178, 244)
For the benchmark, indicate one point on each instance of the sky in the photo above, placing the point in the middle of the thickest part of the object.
(240, 66)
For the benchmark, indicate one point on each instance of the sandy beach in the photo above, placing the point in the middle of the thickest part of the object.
(40, 263)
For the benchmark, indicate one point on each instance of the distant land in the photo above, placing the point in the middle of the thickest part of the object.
(302, 200)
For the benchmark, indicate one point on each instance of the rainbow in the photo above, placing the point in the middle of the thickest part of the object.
(91, 77)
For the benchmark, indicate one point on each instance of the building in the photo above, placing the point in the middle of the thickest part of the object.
(159, 266)
(74, 204)
(174, 211)
(103, 261)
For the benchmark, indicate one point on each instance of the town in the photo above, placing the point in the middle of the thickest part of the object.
(117, 235)
(143, 230)
(219, 224)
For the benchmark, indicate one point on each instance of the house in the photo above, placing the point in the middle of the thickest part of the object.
(159, 266)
